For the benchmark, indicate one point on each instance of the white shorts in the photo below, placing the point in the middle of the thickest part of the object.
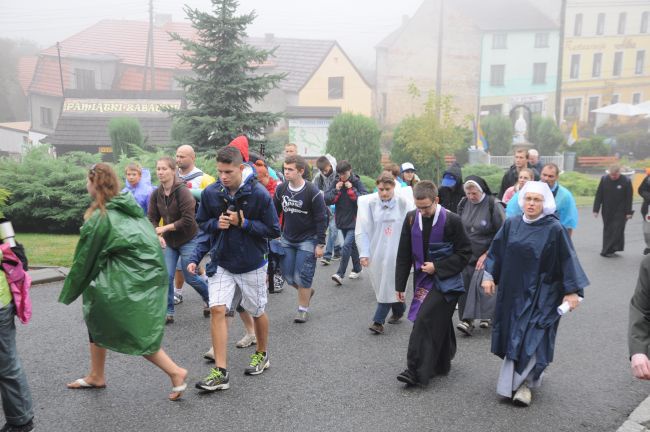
(222, 286)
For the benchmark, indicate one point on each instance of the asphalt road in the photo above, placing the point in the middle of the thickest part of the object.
(332, 374)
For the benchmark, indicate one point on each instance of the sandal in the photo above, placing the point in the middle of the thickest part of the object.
(82, 384)
(177, 392)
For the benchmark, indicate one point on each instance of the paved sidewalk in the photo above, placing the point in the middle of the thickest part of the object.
(42, 275)
(639, 420)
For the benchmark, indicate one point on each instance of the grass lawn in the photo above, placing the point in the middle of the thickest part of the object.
(49, 249)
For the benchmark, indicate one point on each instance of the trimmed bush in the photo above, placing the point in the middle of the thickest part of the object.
(355, 138)
(579, 184)
(47, 194)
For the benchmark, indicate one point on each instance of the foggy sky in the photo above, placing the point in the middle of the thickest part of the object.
(358, 25)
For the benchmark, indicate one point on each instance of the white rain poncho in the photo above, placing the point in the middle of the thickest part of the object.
(377, 235)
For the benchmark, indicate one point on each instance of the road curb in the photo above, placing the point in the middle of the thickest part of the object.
(47, 275)
(639, 420)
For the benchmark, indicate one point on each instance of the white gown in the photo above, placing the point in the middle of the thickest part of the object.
(377, 234)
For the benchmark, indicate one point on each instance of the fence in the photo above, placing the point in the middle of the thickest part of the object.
(507, 161)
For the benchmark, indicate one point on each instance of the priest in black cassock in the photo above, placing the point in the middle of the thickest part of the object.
(614, 196)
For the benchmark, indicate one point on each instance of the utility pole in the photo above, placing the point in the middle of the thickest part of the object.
(151, 51)
(441, 22)
(560, 61)
(58, 50)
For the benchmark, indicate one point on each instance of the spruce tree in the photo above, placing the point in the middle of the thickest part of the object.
(226, 79)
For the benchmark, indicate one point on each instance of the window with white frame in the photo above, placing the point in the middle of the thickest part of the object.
(572, 108)
(539, 73)
(335, 88)
(639, 64)
(597, 67)
(577, 25)
(46, 117)
(499, 41)
(541, 40)
(497, 75)
(574, 72)
(600, 24)
(618, 63)
(622, 18)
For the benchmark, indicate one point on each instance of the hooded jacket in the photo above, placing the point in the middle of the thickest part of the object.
(451, 196)
(241, 144)
(119, 270)
(142, 191)
(345, 201)
(177, 208)
(325, 182)
(237, 249)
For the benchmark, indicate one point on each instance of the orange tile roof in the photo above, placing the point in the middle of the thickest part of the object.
(132, 77)
(47, 77)
(26, 68)
(128, 41)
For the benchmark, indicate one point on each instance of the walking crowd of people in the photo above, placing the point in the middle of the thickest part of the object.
(239, 237)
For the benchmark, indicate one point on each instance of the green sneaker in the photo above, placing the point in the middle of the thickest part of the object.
(216, 380)
(258, 363)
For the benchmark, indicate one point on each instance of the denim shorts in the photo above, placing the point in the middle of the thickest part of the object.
(298, 262)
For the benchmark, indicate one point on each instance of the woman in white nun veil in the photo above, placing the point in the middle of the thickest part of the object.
(533, 262)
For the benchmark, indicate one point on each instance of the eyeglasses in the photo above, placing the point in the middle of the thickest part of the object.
(425, 208)
(534, 200)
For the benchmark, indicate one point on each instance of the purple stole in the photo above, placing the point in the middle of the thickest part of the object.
(424, 282)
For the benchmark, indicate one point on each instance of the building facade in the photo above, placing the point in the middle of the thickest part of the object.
(606, 49)
(519, 68)
(107, 62)
(495, 55)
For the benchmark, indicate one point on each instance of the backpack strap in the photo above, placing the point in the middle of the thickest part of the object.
(461, 206)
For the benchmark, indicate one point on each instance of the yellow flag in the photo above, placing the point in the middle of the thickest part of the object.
(573, 137)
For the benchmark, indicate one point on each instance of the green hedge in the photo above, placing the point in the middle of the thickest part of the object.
(47, 194)
(579, 184)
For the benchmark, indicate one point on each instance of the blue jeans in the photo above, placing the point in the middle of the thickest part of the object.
(16, 397)
(383, 308)
(333, 245)
(171, 258)
(298, 263)
(348, 250)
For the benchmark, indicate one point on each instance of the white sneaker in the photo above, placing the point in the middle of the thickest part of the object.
(338, 279)
(209, 355)
(522, 396)
(246, 341)
(354, 275)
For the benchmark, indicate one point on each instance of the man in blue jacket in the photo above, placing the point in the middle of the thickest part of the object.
(343, 193)
(238, 217)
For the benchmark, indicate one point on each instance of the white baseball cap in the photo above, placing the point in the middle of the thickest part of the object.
(407, 166)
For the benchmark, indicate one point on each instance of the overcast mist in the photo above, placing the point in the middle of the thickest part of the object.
(357, 25)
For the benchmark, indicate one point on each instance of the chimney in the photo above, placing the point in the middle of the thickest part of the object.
(162, 20)
(268, 37)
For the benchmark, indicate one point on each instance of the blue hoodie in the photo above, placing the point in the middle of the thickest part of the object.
(238, 250)
(142, 190)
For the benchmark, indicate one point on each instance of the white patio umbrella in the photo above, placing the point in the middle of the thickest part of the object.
(644, 107)
(622, 109)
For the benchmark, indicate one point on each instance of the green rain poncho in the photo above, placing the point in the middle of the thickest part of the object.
(119, 270)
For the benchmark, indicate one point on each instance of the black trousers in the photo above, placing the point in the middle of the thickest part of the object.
(432, 344)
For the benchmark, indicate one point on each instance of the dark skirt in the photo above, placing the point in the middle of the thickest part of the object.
(432, 344)
(614, 233)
